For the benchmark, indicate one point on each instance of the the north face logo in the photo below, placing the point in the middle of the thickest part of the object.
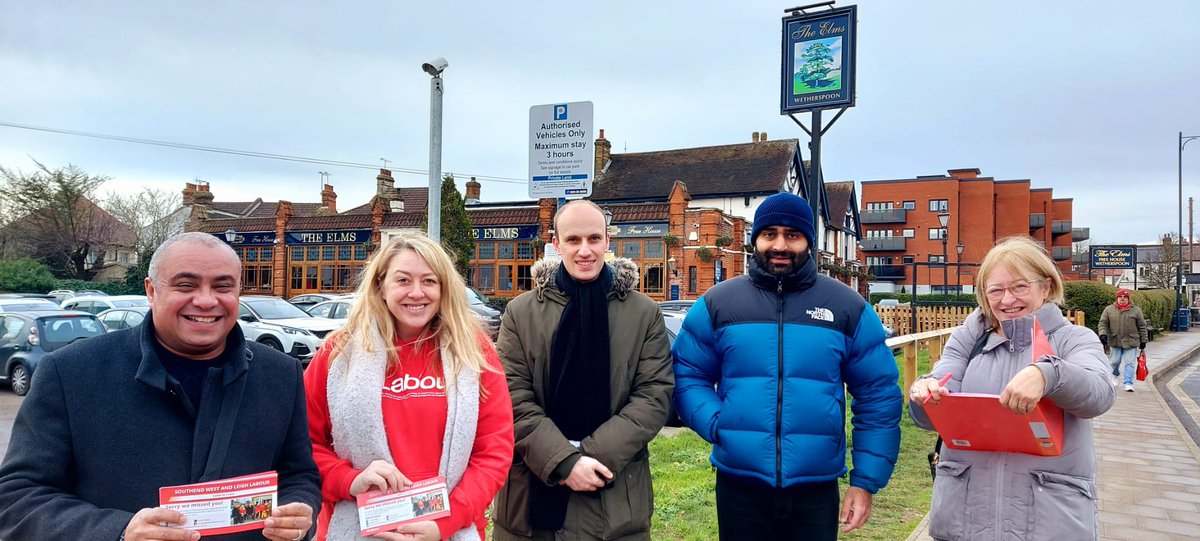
(823, 314)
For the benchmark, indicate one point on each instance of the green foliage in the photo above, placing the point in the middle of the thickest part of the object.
(818, 62)
(25, 276)
(49, 216)
(499, 302)
(1092, 297)
(1156, 304)
(135, 277)
(112, 287)
(456, 227)
(670, 240)
(704, 254)
(723, 242)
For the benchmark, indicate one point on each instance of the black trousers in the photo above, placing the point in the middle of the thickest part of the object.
(750, 509)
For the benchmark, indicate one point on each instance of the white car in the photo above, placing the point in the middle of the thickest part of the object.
(276, 323)
(94, 304)
(335, 310)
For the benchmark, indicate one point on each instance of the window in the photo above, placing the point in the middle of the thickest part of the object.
(124, 258)
(322, 310)
(505, 250)
(298, 253)
(652, 278)
(328, 252)
(360, 253)
(654, 249)
(937, 233)
(505, 281)
(485, 277)
(297, 276)
(524, 278)
(631, 249)
(910, 205)
(692, 279)
(487, 250)
(908, 233)
(344, 252)
(938, 205)
(907, 259)
(936, 258)
(888, 205)
(879, 234)
(312, 253)
(524, 250)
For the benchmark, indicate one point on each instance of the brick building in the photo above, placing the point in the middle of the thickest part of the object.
(901, 226)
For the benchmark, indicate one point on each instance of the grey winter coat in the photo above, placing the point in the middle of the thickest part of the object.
(1125, 329)
(983, 495)
(641, 381)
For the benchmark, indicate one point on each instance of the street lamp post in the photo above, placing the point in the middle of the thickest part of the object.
(1183, 141)
(958, 270)
(433, 206)
(944, 219)
(230, 235)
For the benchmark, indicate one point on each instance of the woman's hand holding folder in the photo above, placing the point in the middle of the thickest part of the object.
(926, 389)
(1024, 390)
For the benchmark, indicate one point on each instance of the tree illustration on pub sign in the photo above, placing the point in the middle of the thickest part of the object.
(816, 65)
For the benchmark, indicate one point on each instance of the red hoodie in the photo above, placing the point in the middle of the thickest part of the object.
(414, 416)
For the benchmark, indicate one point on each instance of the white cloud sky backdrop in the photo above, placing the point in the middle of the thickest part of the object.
(1085, 97)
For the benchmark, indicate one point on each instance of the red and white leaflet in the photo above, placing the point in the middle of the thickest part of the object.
(380, 511)
(224, 506)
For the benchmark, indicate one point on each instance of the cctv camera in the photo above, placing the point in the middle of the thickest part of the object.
(435, 67)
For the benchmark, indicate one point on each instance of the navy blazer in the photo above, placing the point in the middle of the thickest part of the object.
(104, 427)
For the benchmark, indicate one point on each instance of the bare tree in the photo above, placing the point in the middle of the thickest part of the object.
(49, 215)
(146, 213)
(1161, 269)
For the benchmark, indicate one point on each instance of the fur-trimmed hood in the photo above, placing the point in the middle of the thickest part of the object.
(625, 276)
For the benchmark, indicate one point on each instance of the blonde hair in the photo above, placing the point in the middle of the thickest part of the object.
(1023, 257)
(455, 328)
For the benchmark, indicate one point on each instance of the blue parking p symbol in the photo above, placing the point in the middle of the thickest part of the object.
(560, 112)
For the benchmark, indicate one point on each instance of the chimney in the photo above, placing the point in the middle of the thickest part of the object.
(754, 137)
(202, 196)
(603, 152)
(395, 202)
(472, 191)
(189, 194)
(329, 198)
(385, 186)
(762, 137)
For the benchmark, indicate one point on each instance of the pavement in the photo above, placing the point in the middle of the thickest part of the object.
(1148, 465)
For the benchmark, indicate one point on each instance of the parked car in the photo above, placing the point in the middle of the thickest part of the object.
(674, 323)
(115, 319)
(888, 302)
(61, 295)
(25, 304)
(279, 324)
(676, 305)
(94, 304)
(308, 300)
(486, 313)
(91, 292)
(25, 337)
(337, 309)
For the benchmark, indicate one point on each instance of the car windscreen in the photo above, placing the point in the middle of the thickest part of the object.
(133, 303)
(56, 332)
(27, 306)
(276, 309)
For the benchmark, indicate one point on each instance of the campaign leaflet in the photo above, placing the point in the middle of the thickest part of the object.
(224, 506)
(380, 511)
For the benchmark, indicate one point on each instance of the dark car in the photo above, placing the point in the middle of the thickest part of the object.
(486, 313)
(115, 319)
(25, 337)
(676, 305)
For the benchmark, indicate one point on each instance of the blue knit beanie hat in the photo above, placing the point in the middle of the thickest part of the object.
(786, 209)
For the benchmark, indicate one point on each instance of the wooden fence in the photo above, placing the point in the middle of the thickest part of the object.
(931, 340)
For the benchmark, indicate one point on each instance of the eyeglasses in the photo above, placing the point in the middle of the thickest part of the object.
(1018, 289)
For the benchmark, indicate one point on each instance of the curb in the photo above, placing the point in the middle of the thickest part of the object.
(1163, 368)
(920, 530)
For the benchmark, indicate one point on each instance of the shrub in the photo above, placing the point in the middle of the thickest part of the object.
(25, 276)
(499, 303)
(704, 254)
(113, 287)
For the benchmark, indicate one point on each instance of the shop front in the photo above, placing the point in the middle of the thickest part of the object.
(503, 259)
(320, 261)
(642, 243)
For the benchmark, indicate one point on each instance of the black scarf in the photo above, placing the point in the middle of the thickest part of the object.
(578, 396)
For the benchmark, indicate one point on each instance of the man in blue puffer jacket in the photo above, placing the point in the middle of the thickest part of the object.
(782, 345)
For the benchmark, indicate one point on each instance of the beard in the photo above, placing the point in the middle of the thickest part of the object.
(795, 261)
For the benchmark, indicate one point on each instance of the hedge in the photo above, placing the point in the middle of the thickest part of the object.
(1092, 297)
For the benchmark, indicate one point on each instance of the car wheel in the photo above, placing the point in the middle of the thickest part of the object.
(271, 343)
(19, 379)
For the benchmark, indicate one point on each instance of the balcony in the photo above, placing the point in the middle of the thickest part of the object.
(1037, 220)
(887, 216)
(1061, 253)
(1058, 227)
(882, 244)
(887, 272)
(1080, 234)
(1081, 258)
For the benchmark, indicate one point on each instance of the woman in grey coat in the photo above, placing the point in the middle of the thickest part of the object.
(984, 495)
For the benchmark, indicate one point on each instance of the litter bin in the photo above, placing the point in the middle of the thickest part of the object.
(1180, 321)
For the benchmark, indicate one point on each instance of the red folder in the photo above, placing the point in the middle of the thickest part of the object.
(977, 422)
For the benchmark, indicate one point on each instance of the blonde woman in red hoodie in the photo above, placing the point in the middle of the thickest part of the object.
(411, 388)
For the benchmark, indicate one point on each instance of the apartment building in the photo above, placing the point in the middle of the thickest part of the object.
(912, 226)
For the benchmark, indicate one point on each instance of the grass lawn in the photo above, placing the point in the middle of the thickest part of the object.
(684, 483)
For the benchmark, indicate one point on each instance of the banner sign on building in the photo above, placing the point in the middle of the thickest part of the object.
(1114, 257)
(640, 230)
(561, 152)
(249, 238)
(519, 232)
(819, 60)
(343, 236)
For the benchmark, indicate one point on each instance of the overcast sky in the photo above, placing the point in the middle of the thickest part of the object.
(1085, 97)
